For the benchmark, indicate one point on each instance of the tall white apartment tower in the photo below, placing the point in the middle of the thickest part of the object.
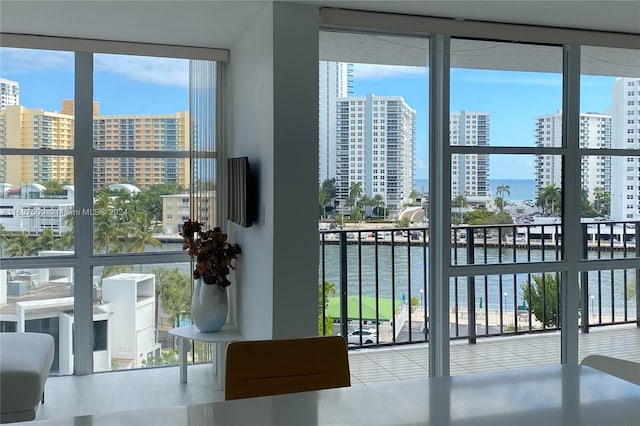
(469, 172)
(9, 93)
(375, 142)
(336, 81)
(625, 134)
(595, 132)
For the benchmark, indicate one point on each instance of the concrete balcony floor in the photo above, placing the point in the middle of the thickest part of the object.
(69, 396)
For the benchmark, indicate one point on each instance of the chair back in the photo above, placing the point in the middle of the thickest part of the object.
(272, 367)
(626, 370)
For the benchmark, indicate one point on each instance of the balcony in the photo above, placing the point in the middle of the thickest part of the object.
(377, 278)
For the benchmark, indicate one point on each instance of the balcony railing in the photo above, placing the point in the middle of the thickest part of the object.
(377, 280)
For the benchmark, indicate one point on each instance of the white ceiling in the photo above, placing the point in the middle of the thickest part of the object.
(610, 15)
(219, 23)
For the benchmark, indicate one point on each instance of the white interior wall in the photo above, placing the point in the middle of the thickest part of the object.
(250, 133)
(272, 72)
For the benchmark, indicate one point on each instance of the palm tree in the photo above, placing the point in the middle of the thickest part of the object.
(460, 201)
(378, 202)
(413, 196)
(108, 222)
(324, 200)
(141, 233)
(550, 196)
(355, 193)
(20, 245)
(4, 238)
(602, 201)
(501, 191)
(45, 241)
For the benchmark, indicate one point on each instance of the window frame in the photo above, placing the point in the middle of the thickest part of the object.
(84, 259)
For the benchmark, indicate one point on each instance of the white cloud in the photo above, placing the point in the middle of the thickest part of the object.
(163, 71)
(29, 60)
(529, 79)
(381, 72)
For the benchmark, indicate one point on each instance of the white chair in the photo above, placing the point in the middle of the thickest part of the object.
(626, 370)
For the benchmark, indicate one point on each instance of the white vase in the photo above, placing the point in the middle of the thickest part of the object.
(209, 306)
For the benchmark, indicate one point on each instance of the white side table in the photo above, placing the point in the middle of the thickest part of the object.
(218, 338)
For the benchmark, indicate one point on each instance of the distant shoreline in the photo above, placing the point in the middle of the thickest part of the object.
(520, 189)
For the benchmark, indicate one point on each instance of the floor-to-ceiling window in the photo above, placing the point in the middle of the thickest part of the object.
(533, 192)
(373, 166)
(98, 176)
(610, 185)
(504, 124)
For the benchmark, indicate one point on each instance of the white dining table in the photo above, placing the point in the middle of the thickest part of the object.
(553, 395)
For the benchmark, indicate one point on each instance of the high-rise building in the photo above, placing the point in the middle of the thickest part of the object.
(336, 81)
(375, 147)
(625, 171)
(9, 93)
(595, 132)
(470, 172)
(34, 128)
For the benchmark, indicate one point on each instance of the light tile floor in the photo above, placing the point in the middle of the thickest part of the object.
(145, 389)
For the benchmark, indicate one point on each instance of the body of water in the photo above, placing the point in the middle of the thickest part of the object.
(403, 274)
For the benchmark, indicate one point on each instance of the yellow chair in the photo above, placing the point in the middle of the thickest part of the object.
(272, 367)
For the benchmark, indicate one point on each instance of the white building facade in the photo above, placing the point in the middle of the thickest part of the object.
(595, 132)
(9, 93)
(469, 172)
(625, 131)
(375, 146)
(336, 81)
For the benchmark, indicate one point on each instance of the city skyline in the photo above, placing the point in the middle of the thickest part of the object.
(145, 85)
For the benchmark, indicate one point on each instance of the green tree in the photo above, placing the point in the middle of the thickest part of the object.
(44, 241)
(327, 194)
(460, 202)
(378, 206)
(140, 233)
(173, 290)
(324, 201)
(66, 240)
(53, 188)
(586, 209)
(544, 298)
(601, 202)
(355, 193)
(170, 357)
(413, 196)
(364, 202)
(107, 228)
(502, 191)
(5, 236)
(482, 216)
(21, 245)
(324, 293)
(549, 199)
(150, 199)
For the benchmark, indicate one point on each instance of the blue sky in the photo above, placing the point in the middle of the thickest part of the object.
(136, 85)
(513, 100)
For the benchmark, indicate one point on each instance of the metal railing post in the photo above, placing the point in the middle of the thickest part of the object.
(584, 280)
(471, 288)
(343, 285)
